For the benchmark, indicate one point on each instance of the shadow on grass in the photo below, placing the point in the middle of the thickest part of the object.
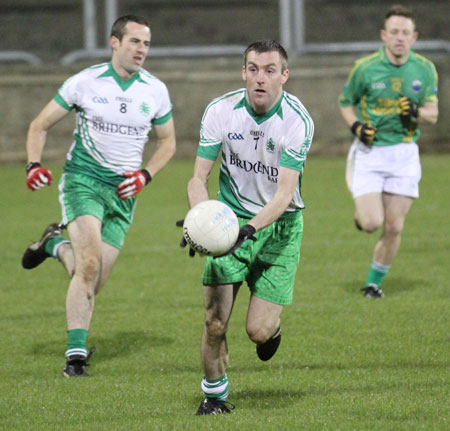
(118, 344)
(268, 398)
(262, 398)
(345, 365)
(391, 285)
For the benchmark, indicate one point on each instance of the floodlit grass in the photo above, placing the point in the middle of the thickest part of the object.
(345, 362)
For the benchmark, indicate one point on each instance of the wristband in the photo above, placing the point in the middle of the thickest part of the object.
(32, 165)
(148, 177)
(355, 125)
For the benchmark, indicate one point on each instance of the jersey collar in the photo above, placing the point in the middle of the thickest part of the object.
(124, 85)
(385, 60)
(276, 109)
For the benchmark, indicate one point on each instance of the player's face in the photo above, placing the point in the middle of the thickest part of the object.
(129, 54)
(398, 36)
(264, 80)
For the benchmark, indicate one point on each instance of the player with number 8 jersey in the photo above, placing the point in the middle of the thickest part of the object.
(116, 105)
(114, 118)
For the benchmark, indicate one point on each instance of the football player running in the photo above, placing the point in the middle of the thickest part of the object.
(116, 104)
(264, 135)
(387, 96)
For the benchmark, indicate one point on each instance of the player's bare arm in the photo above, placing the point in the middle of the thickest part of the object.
(287, 183)
(165, 147)
(348, 114)
(197, 189)
(37, 132)
(428, 113)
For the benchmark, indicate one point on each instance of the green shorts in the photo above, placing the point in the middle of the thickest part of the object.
(268, 264)
(82, 195)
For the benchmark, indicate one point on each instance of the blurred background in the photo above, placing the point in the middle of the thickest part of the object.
(196, 50)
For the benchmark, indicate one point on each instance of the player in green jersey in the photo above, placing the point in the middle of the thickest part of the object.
(116, 105)
(387, 96)
(263, 134)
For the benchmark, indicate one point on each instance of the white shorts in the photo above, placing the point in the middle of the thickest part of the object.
(391, 169)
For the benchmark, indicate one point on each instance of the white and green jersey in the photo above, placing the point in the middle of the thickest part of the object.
(254, 148)
(113, 120)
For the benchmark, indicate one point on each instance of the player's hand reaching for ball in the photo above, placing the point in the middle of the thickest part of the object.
(183, 242)
(37, 176)
(134, 183)
(365, 132)
(245, 232)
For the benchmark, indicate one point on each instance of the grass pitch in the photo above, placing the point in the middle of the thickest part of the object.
(345, 362)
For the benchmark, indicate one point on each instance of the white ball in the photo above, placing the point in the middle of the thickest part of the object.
(211, 228)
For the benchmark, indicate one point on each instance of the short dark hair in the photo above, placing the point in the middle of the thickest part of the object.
(118, 28)
(398, 10)
(268, 45)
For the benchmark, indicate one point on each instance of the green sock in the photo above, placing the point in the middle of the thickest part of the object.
(217, 389)
(376, 273)
(76, 342)
(51, 246)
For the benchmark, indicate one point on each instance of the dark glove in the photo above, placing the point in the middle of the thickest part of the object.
(407, 108)
(365, 132)
(245, 232)
(183, 242)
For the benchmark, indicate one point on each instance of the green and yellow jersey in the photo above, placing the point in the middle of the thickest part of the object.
(374, 87)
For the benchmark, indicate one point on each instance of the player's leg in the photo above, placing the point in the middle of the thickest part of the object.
(400, 187)
(219, 301)
(64, 253)
(369, 211)
(109, 257)
(85, 236)
(66, 257)
(395, 210)
(263, 326)
(365, 182)
(50, 244)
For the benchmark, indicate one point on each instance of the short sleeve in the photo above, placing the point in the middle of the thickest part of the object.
(353, 89)
(68, 94)
(210, 133)
(164, 112)
(298, 142)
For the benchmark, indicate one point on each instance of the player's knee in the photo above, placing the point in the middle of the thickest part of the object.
(371, 224)
(215, 327)
(393, 229)
(258, 335)
(89, 269)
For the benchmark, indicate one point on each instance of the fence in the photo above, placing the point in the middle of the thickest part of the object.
(294, 16)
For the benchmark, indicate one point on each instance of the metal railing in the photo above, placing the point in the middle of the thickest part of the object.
(14, 56)
(292, 37)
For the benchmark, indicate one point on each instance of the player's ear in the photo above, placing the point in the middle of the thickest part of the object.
(114, 42)
(244, 73)
(284, 76)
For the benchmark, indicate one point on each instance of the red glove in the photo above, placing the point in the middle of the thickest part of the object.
(134, 183)
(37, 177)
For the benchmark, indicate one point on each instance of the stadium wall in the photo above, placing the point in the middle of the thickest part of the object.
(316, 80)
